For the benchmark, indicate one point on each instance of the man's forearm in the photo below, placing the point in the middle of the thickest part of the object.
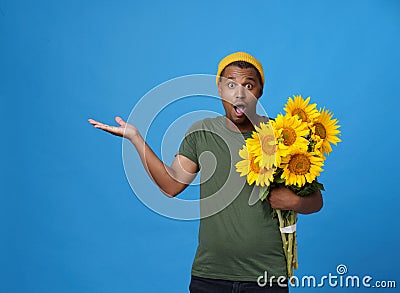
(160, 173)
(283, 198)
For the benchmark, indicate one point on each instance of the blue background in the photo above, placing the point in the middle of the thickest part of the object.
(69, 220)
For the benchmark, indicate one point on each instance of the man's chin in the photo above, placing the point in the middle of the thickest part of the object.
(239, 120)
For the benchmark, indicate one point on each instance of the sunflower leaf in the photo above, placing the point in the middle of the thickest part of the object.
(308, 188)
(264, 193)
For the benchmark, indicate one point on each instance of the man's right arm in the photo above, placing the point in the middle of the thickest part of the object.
(171, 180)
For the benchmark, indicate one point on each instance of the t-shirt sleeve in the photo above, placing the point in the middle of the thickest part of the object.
(188, 145)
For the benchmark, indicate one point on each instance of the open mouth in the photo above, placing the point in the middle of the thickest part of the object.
(239, 109)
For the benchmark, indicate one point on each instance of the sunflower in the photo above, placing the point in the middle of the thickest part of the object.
(262, 176)
(315, 144)
(289, 133)
(300, 107)
(262, 145)
(265, 177)
(301, 167)
(327, 129)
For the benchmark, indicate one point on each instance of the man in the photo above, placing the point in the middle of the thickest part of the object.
(238, 241)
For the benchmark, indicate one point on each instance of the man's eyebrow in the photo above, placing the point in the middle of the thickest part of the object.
(247, 78)
(250, 78)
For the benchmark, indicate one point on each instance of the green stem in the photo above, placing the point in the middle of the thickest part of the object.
(296, 260)
(283, 236)
(290, 248)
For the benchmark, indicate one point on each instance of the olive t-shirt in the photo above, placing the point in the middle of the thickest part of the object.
(238, 240)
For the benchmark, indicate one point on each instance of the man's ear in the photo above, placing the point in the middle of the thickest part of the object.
(219, 88)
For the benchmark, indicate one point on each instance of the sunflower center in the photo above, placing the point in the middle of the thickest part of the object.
(299, 164)
(320, 130)
(268, 145)
(254, 166)
(289, 136)
(301, 113)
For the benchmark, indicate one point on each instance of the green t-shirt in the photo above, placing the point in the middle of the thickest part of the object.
(237, 241)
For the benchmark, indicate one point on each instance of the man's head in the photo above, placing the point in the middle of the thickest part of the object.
(242, 60)
(240, 80)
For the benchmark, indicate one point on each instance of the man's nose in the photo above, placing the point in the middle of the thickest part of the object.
(240, 92)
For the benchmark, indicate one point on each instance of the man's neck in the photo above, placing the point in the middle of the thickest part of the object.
(246, 126)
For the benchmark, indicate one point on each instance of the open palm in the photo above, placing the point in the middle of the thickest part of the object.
(125, 129)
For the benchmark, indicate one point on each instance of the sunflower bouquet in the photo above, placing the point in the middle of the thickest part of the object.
(289, 150)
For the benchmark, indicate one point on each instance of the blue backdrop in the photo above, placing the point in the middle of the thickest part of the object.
(69, 220)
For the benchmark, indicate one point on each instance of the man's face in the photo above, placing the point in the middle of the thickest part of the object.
(240, 89)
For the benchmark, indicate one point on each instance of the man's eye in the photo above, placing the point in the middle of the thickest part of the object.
(249, 86)
(231, 85)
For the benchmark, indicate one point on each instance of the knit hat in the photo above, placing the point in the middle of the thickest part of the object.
(240, 56)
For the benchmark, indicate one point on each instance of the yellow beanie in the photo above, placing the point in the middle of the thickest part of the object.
(240, 56)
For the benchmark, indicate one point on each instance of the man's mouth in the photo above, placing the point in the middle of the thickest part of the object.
(239, 109)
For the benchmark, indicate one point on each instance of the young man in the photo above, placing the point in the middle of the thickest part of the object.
(238, 242)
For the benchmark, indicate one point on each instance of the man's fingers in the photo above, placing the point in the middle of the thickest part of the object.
(111, 129)
(94, 122)
(102, 126)
(97, 124)
(120, 121)
(91, 121)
